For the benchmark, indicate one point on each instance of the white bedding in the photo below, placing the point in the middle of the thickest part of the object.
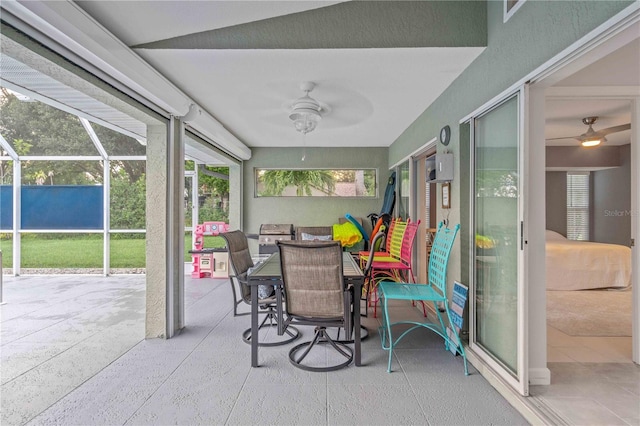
(583, 265)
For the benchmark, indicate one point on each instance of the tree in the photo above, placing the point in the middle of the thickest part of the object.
(276, 181)
(217, 187)
(116, 143)
(34, 128)
(215, 193)
(128, 201)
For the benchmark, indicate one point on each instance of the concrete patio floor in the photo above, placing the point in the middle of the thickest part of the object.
(73, 353)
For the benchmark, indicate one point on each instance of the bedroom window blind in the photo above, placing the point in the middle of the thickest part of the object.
(427, 210)
(578, 206)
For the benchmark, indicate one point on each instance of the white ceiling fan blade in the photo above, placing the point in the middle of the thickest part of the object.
(614, 129)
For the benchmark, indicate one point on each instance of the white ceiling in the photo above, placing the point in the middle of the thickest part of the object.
(374, 94)
(251, 91)
(585, 95)
(138, 22)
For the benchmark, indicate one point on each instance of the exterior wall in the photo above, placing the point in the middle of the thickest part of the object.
(612, 202)
(235, 198)
(165, 230)
(534, 34)
(156, 275)
(310, 211)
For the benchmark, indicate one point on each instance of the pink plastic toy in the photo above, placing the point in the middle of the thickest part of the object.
(202, 259)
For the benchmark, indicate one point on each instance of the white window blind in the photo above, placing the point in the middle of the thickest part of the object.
(427, 210)
(578, 206)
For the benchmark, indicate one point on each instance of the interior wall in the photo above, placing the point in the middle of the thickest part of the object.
(556, 202)
(612, 202)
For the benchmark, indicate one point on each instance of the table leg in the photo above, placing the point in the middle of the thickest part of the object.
(279, 311)
(254, 325)
(356, 323)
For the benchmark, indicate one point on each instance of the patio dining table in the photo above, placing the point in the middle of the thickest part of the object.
(269, 272)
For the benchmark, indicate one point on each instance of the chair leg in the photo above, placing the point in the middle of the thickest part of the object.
(291, 331)
(424, 308)
(321, 337)
(316, 339)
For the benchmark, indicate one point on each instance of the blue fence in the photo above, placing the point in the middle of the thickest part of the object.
(54, 207)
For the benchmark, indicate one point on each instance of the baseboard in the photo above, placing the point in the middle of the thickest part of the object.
(540, 376)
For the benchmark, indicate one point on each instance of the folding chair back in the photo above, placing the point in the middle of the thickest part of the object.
(440, 252)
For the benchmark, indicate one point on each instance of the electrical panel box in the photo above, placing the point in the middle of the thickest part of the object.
(440, 168)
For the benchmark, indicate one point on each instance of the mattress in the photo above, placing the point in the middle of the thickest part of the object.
(583, 265)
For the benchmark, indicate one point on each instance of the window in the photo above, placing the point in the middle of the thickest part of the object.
(404, 183)
(578, 206)
(316, 183)
(510, 7)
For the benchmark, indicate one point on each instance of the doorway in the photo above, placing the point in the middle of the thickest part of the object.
(579, 360)
(426, 211)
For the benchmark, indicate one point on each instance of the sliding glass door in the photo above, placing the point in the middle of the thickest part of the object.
(498, 314)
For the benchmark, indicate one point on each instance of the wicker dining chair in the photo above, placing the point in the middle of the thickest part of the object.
(316, 295)
(241, 261)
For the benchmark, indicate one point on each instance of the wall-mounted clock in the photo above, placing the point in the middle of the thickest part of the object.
(445, 135)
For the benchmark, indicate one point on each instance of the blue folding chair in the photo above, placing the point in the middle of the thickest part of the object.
(435, 291)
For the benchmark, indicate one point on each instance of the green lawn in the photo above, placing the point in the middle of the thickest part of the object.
(78, 252)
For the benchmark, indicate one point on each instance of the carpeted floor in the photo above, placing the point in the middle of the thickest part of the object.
(590, 312)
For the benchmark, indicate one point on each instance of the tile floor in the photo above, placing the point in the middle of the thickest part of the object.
(73, 353)
(593, 381)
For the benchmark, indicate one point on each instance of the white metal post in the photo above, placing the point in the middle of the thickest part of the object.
(106, 218)
(106, 181)
(17, 190)
(195, 216)
(1, 269)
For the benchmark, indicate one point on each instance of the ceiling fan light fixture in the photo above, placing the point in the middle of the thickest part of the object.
(305, 115)
(593, 138)
(305, 111)
(593, 141)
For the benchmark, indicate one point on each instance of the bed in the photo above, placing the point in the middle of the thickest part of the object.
(583, 265)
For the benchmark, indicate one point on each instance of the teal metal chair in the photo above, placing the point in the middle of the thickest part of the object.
(434, 291)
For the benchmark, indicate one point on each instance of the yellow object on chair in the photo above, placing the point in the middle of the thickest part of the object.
(346, 233)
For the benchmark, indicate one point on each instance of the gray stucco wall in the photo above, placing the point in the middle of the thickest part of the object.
(535, 33)
(612, 202)
(538, 31)
(310, 211)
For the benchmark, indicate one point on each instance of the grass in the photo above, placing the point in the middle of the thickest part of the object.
(86, 252)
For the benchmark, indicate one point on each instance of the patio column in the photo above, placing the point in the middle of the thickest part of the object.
(236, 219)
(165, 230)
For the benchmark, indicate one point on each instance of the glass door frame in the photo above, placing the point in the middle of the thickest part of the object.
(518, 382)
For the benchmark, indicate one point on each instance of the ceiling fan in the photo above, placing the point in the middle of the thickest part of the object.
(592, 137)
